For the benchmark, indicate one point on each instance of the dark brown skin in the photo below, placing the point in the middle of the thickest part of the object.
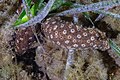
(65, 34)
(24, 37)
(69, 35)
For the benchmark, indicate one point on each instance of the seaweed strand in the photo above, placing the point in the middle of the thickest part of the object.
(91, 7)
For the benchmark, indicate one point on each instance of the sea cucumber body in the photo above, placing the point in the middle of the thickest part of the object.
(68, 35)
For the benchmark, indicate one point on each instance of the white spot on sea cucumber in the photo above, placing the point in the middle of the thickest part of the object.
(84, 29)
(62, 25)
(21, 39)
(97, 35)
(56, 32)
(48, 19)
(78, 28)
(74, 40)
(64, 31)
(84, 34)
(30, 38)
(91, 44)
(83, 45)
(67, 22)
(70, 25)
(67, 41)
(23, 28)
(51, 36)
(18, 47)
(47, 26)
(95, 46)
(69, 36)
(79, 36)
(17, 41)
(50, 30)
(46, 22)
(46, 29)
(26, 32)
(58, 42)
(61, 21)
(92, 38)
(23, 48)
(56, 36)
(88, 41)
(75, 45)
(54, 22)
(29, 43)
(61, 37)
(55, 27)
(91, 31)
(72, 30)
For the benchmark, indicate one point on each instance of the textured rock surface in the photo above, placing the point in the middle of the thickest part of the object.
(7, 8)
(115, 23)
(88, 64)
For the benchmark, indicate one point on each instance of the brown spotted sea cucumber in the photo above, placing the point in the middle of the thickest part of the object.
(65, 34)
(23, 39)
(69, 35)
